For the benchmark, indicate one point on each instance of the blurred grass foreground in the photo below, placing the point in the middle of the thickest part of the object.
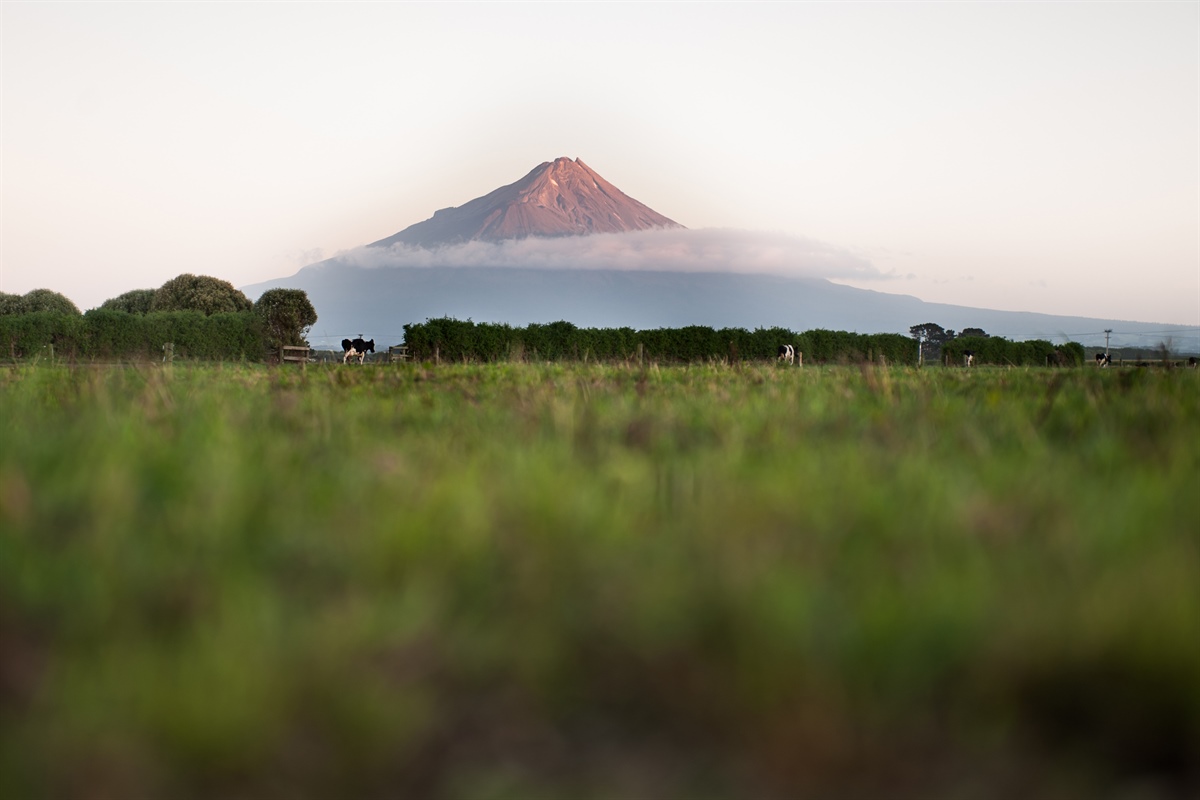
(598, 581)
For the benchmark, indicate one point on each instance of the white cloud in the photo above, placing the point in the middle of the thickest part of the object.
(673, 250)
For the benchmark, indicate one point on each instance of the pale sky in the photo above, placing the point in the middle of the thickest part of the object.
(1026, 156)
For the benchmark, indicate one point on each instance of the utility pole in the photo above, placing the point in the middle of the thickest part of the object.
(1107, 331)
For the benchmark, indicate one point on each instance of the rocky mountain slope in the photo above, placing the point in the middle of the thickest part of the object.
(557, 198)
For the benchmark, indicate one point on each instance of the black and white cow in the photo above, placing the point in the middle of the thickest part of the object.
(787, 353)
(357, 348)
(968, 358)
(1103, 360)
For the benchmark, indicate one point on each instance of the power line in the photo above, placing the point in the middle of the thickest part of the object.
(1113, 331)
(1134, 333)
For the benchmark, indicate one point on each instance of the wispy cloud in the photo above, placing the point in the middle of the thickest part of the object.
(704, 250)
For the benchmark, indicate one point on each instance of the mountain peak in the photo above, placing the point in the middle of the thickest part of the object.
(563, 197)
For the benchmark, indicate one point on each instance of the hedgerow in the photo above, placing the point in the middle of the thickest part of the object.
(104, 333)
(1000, 351)
(458, 340)
(107, 334)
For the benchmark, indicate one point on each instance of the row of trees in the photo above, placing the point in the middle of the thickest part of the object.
(951, 348)
(205, 317)
(202, 316)
(1029, 353)
(932, 336)
(459, 340)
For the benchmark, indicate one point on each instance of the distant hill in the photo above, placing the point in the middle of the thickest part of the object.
(441, 267)
(378, 302)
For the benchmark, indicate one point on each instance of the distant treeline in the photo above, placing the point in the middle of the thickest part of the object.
(104, 334)
(243, 336)
(1029, 353)
(457, 340)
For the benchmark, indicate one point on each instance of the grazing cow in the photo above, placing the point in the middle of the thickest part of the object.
(1103, 360)
(968, 358)
(1192, 362)
(357, 348)
(787, 353)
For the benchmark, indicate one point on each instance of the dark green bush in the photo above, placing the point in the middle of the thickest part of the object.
(33, 334)
(117, 334)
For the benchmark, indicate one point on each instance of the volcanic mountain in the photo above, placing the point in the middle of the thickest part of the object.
(645, 271)
(557, 198)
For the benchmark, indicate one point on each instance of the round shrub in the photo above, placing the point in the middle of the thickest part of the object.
(287, 315)
(137, 301)
(201, 293)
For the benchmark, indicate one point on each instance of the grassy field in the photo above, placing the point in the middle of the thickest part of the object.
(598, 581)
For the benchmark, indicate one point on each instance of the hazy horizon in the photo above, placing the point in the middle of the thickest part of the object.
(1040, 157)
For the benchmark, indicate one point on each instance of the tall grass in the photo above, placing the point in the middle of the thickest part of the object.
(598, 581)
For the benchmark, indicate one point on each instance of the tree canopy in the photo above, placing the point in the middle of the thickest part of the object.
(10, 303)
(930, 332)
(931, 336)
(287, 315)
(202, 293)
(137, 301)
(37, 300)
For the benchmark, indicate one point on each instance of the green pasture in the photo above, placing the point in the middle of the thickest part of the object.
(598, 581)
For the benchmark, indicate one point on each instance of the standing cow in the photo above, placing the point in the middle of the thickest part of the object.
(357, 348)
(1103, 360)
(787, 353)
